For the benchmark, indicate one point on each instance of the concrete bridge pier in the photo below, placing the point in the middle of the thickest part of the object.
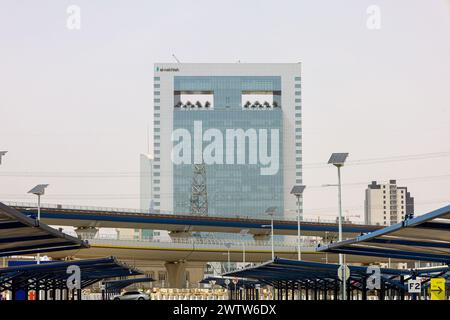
(176, 274)
(179, 273)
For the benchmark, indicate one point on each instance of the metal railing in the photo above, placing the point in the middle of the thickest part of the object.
(223, 242)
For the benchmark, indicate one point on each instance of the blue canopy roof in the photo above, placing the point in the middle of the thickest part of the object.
(22, 235)
(55, 273)
(424, 238)
(282, 270)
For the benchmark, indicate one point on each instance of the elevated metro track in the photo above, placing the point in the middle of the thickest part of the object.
(134, 250)
(122, 218)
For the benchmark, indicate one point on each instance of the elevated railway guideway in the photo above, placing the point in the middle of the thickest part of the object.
(100, 217)
(203, 250)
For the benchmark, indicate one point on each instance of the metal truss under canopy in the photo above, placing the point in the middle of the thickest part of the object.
(312, 280)
(423, 238)
(22, 235)
(53, 275)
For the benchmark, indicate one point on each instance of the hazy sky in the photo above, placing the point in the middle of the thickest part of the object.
(75, 104)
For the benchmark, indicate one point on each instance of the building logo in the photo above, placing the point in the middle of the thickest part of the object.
(158, 69)
(249, 147)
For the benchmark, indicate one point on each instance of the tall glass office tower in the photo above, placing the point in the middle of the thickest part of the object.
(227, 138)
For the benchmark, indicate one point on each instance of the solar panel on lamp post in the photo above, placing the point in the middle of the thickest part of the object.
(338, 160)
(297, 191)
(39, 190)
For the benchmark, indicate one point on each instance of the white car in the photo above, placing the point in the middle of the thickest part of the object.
(132, 295)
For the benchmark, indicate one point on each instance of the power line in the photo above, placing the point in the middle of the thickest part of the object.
(136, 174)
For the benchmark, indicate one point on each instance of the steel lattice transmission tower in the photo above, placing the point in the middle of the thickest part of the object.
(199, 193)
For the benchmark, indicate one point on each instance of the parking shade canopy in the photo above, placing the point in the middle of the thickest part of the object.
(22, 235)
(117, 285)
(54, 275)
(423, 238)
(284, 272)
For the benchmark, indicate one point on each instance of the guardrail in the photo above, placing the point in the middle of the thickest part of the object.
(125, 211)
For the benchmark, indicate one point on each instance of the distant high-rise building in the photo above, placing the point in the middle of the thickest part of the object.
(145, 183)
(145, 199)
(243, 121)
(146, 191)
(387, 204)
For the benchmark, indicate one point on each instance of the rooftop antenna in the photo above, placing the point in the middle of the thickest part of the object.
(175, 57)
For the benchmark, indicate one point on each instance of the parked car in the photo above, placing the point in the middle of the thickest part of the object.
(132, 295)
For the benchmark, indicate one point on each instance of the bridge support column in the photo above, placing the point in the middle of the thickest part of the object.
(176, 273)
(196, 272)
(86, 232)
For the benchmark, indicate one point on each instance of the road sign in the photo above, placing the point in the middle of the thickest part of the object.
(235, 281)
(414, 286)
(341, 272)
(437, 289)
(227, 281)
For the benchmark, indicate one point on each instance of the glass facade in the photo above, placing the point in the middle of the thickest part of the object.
(236, 188)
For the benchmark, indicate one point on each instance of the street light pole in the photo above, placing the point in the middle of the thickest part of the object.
(340, 202)
(243, 233)
(271, 211)
(38, 190)
(228, 245)
(243, 252)
(299, 246)
(271, 227)
(341, 256)
(297, 191)
(2, 153)
(338, 159)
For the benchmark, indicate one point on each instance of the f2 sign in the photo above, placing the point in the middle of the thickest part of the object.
(414, 286)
